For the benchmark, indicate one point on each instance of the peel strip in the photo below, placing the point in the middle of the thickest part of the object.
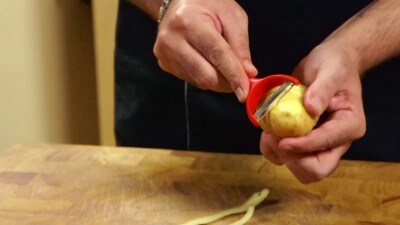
(246, 216)
(253, 201)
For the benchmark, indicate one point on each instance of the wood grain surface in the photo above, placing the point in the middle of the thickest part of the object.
(65, 184)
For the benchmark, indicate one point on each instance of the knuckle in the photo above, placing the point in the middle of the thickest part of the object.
(320, 175)
(270, 155)
(157, 52)
(340, 75)
(181, 19)
(243, 45)
(232, 79)
(162, 42)
(204, 78)
(217, 56)
(302, 176)
(192, 68)
(241, 15)
(163, 39)
(314, 176)
(304, 180)
(162, 65)
(329, 143)
(360, 131)
(322, 172)
(206, 82)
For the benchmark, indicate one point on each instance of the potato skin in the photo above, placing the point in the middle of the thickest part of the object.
(288, 117)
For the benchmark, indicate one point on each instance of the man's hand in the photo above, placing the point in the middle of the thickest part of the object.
(331, 71)
(205, 42)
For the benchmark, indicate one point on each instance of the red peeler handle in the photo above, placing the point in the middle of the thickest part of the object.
(259, 87)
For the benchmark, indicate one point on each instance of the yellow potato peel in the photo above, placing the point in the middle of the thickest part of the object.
(246, 217)
(248, 207)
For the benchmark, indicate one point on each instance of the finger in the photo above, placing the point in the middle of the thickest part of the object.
(346, 123)
(237, 35)
(217, 51)
(173, 68)
(170, 68)
(200, 70)
(267, 145)
(313, 167)
(180, 59)
(340, 128)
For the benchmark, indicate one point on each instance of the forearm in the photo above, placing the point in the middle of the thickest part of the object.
(151, 7)
(373, 33)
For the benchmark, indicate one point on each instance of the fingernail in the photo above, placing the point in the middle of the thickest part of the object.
(239, 94)
(316, 104)
(250, 68)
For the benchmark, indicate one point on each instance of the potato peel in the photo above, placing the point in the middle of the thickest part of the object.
(248, 207)
(246, 217)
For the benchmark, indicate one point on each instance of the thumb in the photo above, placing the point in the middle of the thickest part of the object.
(320, 92)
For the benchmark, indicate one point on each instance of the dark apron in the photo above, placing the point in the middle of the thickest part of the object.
(154, 109)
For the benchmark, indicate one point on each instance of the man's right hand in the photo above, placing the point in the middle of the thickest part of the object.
(205, 42)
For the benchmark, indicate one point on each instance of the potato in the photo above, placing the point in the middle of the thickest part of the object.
(288, 117)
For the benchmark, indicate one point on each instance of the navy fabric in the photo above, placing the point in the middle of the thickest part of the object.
(150, 104)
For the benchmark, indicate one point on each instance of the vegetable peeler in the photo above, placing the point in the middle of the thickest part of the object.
(260, 87)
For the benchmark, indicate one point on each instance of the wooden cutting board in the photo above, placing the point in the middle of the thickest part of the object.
(65, 184)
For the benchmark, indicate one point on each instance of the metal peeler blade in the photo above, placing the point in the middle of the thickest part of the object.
(275, 98)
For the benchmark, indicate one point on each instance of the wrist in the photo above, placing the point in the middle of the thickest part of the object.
(150, 7)
(163, 9)
(350, 54)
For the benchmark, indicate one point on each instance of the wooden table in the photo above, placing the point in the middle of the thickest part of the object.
(65, 184)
